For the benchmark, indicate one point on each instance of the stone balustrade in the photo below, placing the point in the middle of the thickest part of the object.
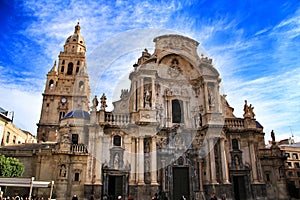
(234, 123)
(79, 148)
(117, 119)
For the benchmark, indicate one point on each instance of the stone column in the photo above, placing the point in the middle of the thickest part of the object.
(163, 175)
(153, 95)
(134, 94)
(202, 195)
(153, 162)
(207, 166)
(141, 96)
(212, 161)
(141, 161)
(133, 162)
(225, 173)
(253, 162)
(98, 156)
(206, 97)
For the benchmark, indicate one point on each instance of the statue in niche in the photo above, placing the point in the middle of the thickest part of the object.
(236, 160)
(62, 171)
(159, 114)
(147, 164)
(147, 98)
(147, 147)
(116, 161)
(198, 120)
(211, 99)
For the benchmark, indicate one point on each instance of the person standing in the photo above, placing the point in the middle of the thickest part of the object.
(213, 197)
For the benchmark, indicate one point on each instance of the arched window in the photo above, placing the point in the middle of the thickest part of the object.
(177, 111)
(61, 115)
(235, 144)
(78, 62)
(70, 69)
(80, 85)
(63, 62)
(117, 140)
(62, 69)
(51, 84)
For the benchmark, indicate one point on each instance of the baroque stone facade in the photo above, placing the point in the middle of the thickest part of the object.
(171, 132)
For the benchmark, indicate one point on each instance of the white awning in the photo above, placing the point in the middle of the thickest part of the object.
(24, 182)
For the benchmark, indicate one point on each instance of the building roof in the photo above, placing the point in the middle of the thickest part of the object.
(295, 145)
(77, 114)
(29, 146)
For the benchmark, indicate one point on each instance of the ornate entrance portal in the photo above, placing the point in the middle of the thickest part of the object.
(115, 186)
(115, 183)
(181, 182)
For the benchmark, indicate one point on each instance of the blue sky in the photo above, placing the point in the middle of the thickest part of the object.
(254, 44)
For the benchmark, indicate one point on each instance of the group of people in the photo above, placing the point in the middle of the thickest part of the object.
(214, 197)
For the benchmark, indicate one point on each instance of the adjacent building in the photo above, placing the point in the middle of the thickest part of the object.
(10, 134)
(292, 165)
(171, 132)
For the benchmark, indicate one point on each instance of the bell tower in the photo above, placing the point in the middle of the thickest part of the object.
(67, 87)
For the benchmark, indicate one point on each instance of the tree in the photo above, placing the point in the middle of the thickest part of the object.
(10, 167)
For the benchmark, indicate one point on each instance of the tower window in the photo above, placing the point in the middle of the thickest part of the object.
(117, 140)
(51, 84)
(78, 62)
(63, 62)
(75, 138)
(61, 115)
(80, 85)
(235, 144)
(177, 111)
(70, 69)
(77, 70)
(62, 69)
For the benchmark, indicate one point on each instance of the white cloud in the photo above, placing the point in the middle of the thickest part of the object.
(26, 106)
(271, 88)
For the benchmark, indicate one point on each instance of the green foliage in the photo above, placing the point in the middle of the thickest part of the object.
(10, 167)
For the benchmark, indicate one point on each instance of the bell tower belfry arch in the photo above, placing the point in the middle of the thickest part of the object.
(67, 87)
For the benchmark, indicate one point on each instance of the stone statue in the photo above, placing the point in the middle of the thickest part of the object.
(116, 161)
(273, 136)
(211, 99)
(95, 102)
(248, 110)
(251, 113)
(147, 98)
(103, 102)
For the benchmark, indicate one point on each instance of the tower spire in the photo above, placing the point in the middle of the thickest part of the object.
(53, 69)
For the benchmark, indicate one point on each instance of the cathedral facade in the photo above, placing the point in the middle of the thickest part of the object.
(170, 133)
